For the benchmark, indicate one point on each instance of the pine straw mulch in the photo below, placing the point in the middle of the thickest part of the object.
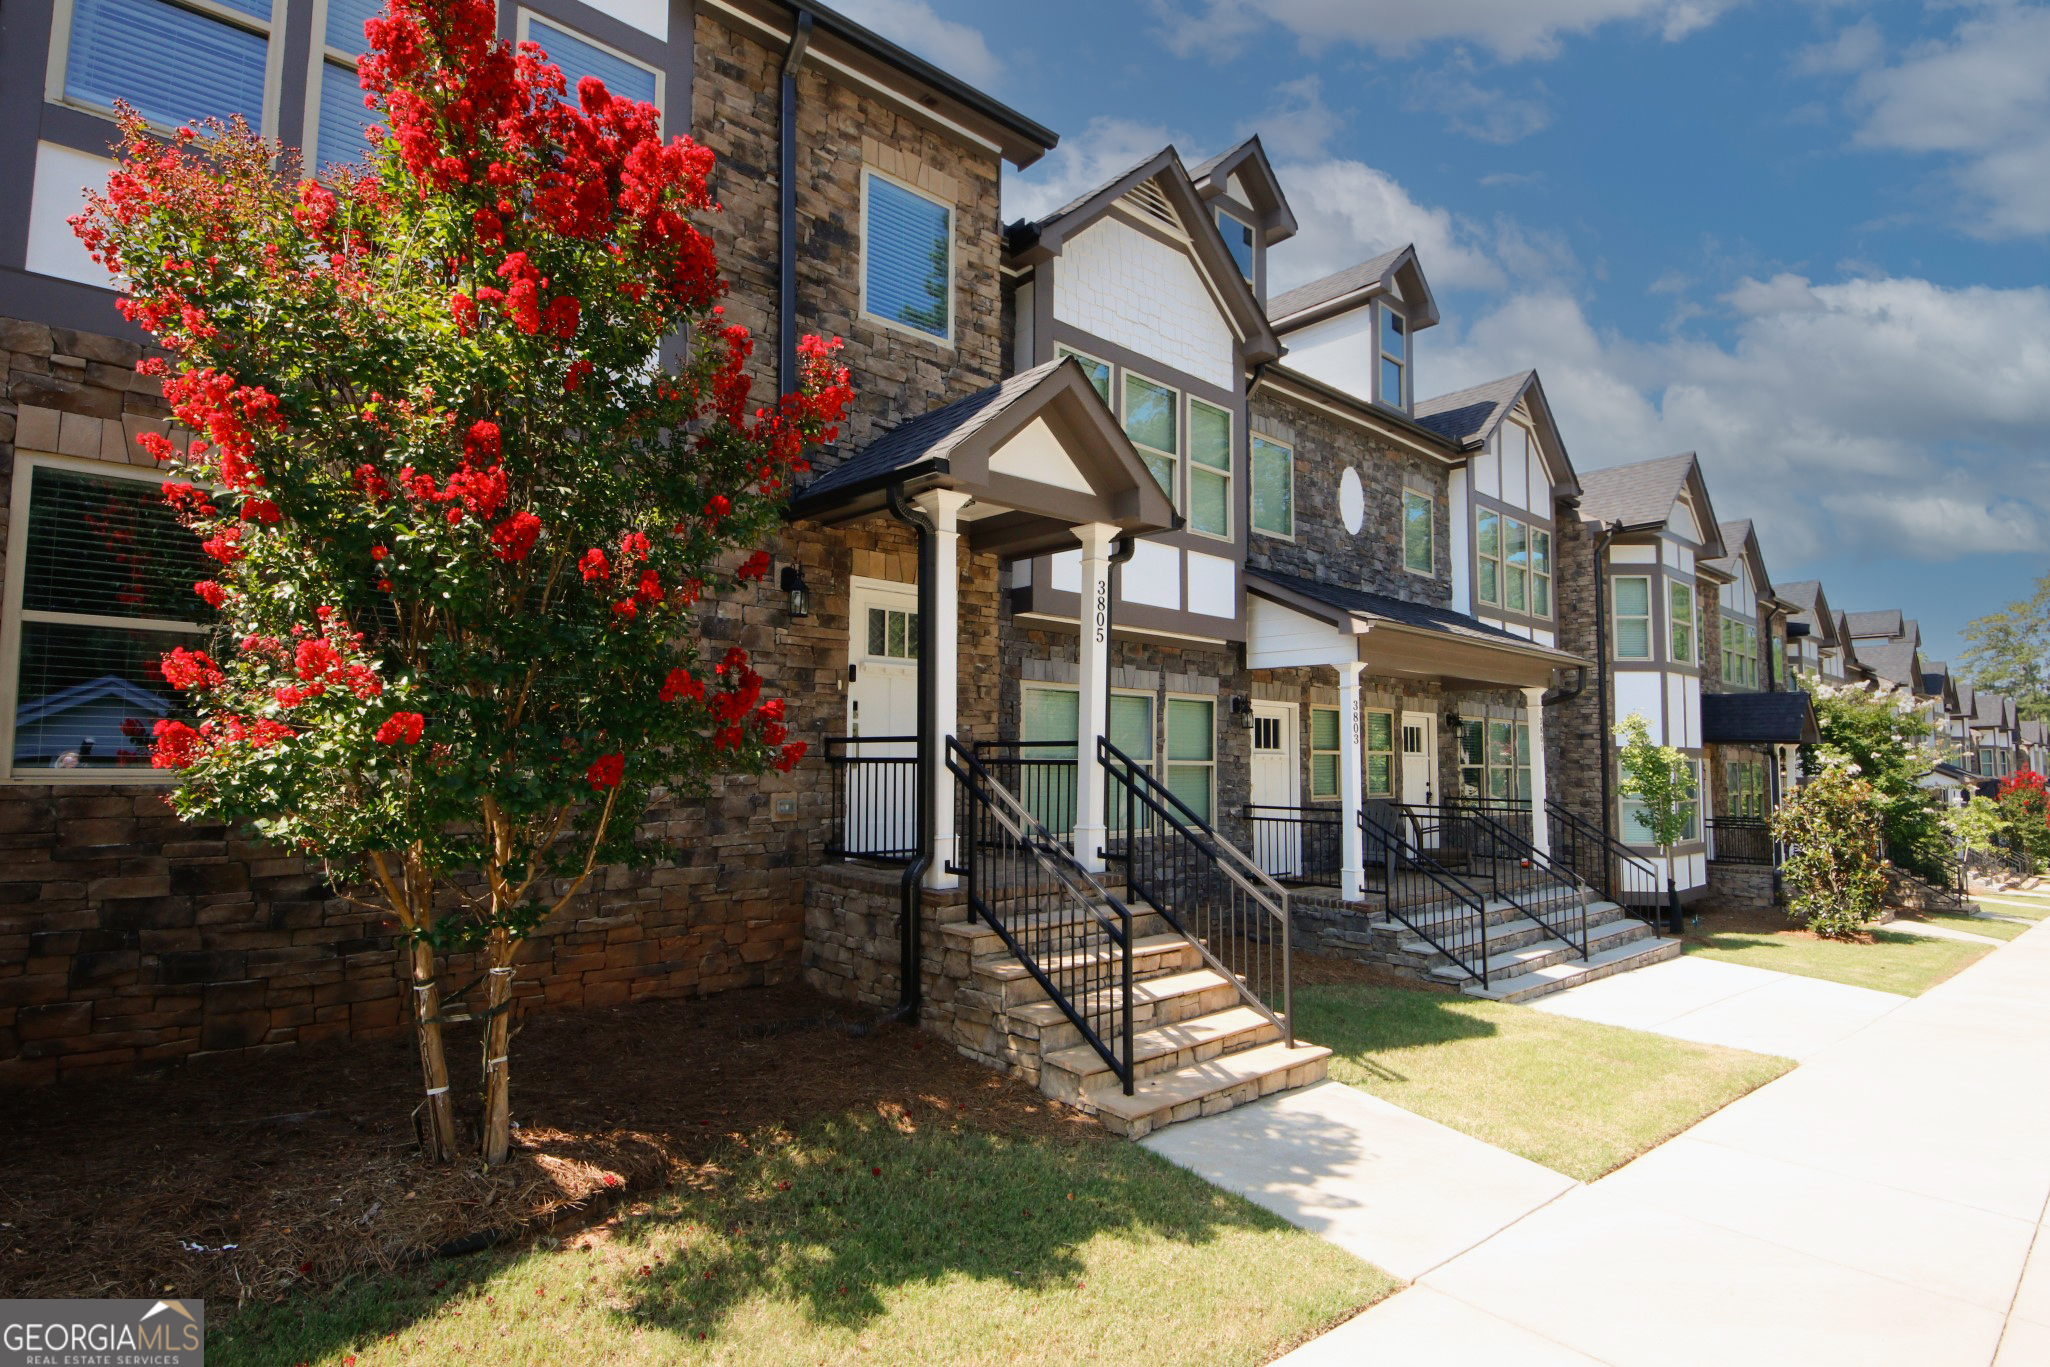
(249, 1179)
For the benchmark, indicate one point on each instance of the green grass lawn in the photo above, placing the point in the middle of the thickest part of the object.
(1578, 1097)
(1908, 965)
(860, 1242)
(2024, 905)
(1977, 925)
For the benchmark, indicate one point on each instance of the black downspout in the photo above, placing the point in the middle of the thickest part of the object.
(1601, 664)
(786, 235)
(910, 929)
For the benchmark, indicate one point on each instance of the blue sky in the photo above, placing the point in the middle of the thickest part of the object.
(1804, 238)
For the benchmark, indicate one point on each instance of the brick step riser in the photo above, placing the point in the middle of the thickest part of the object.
(982, 942)
(1063, 1085)
(1252, 1089)
(1025, 989)
(1561, 954)
(1183, 1006)
(1504, 941)
(1546, 989)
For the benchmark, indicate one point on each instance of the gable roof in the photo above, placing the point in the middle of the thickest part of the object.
(1886, 622)
(1894, 661)
(1740, 542)
(1812, 607)
(1396, 271)
(1469, 417)
(1248, 162)
(1641, 496)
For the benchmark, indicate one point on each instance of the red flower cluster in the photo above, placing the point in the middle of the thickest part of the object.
(514, 538)
(681, 683)
(401, 728)
(594, 565)
(213, 594)
(177, 745)
(191, 670)
(606, 772)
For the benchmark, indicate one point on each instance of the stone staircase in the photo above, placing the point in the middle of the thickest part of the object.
(1527, 961)
(1197, 1047)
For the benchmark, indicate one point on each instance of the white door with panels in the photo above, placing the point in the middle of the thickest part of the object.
(1420, 770)
(1277, 784)
(881, 782)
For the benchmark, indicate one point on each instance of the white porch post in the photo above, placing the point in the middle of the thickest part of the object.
(1092, 718)
(944, 507)
(1351, 787)
(1534, 715)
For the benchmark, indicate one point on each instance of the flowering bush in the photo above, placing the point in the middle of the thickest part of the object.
(2025, 803)
(462, 519)
(1834, 876)
(1890, 742)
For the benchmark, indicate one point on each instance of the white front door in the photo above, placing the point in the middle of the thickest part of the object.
(882, 701)
(1277, 784)
(1420, 768)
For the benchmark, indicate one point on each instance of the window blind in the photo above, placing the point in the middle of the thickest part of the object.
(108, 548)
(151, 54)
(343, 119)
(345, 21)
(907, 244)
(579, 58)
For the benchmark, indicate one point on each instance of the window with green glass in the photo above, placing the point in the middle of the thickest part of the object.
(1380, 747)
(1192, 753)
(1273, 488)
(1680, 608)
(1487, 546)
(1630, 598)
(1151, 421)
(892, 635)
(1636, 831)
(1744, 784)
(1097, 371)
(1324, 747)
(1209, 469)
(1515, 566)
(1049, 723)
(1417, 532)
(1540, 573)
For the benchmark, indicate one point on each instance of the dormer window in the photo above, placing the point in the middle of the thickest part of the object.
(1394, 357)
(1238, 240)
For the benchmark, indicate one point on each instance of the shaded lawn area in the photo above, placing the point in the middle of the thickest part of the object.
(1578, 1097)
(1884, 960)
(886, 1237)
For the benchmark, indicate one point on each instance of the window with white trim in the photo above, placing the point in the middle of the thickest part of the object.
(175, 61)
(1273, 487)
(1630, 611)
(1637, 832)
(1680, 610)
(1209, 469)
(1394, 337)
(578, 56)
(1512, 564)
(1740, 653)
(1378, 740)
(1192, 754)
(1744, 784)
(338, 135)
(1051, 715)
(1540, 572)
(1494, 759)
(892, 634)
(1152, 420)
(1324, 749)
(907, 247)
(1419, 551)
(104, 591)
(1097, 371)
(1238, 240)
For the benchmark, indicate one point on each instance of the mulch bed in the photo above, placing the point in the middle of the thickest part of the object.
(249, 1179)
(1722, 920)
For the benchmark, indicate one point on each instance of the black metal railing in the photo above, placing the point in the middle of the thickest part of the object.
(1300, 845)
(1203, 886)
(874, 783)
(1070, 933)
(1607, 865)
(1743, 840)
(1443, 909)
(1490, 854)
(1041, 773)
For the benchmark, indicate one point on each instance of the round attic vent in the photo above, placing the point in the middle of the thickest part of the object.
(1352, 500)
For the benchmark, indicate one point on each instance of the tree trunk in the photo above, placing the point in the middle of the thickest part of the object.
(498, 952)
(438, 1133)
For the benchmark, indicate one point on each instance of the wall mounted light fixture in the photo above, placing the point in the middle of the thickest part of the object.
(793, 584)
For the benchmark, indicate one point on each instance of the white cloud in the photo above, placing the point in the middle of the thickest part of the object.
(1478, 105)
(956, 48)
(1297, 125)
(1882, 414)
(1100, 153)
(1347, 212)
(1855, 48)
(1512, 30)
(1983, 99)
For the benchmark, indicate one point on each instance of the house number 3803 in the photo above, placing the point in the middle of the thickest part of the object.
(1102, 609)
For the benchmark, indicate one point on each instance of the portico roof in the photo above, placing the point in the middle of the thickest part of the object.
(1040, 454)
(1392, 636)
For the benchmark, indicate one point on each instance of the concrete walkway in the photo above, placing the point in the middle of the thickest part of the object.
(1400, 1191)
(1876, 1207)
(1698, 998)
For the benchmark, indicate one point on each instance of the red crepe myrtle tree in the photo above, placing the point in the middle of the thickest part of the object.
(462, 519)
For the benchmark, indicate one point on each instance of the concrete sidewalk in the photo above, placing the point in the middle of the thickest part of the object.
(1698, 998)
(1882, 1204)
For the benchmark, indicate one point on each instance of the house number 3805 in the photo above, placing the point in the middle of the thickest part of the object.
(1102, 609)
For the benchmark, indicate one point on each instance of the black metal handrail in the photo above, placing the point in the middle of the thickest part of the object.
(1550, 894)
(874, 788)
(1743, 840)
(1612, 868)
(1444, 911)
(1220, 901)
(1042, 773)
(1070, 933)
(1297, 844)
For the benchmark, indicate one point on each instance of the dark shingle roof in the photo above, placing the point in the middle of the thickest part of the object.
(1733, 535)
(1472, 412)
(930, 437)
(1756, 719)
(1093, 191)
(1395, 610)
(1634, 494)
(1884, 623)
(1804, 594)
(1989, 708)
(1333, 286)
(1893, 661)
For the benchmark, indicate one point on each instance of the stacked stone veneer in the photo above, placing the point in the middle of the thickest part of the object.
(128, 937)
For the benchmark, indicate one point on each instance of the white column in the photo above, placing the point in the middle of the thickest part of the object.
(1351, 788)
(944, 507)
(1092, 717)
(1534, 714)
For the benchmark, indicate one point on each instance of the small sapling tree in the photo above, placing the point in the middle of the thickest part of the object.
(1660, 780)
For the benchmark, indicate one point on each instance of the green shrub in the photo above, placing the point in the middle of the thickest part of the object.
(1834, 876)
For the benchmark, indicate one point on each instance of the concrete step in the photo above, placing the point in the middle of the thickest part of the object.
(1153, 955)
(1068, 1074)
(1548, 951)
(1205, 1088)
(1164, 1000)
(1557, 977)
(1521, 931)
